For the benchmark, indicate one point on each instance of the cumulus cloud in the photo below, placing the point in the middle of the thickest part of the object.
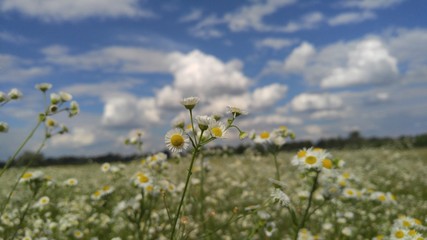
(219, 84)
(351, 17)
(368, 62)
(64, 10)
(312, 102)
(299, 57)
(77, 137)
(109, 59)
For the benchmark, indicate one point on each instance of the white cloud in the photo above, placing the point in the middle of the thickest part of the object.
(77, 137)
(194, 15)
(368, 62)
(199, 74)
(351, 17)
(299, 57)
(371, 4)
(65, 10)
(267, 96)
(110, 59)
(275, 43)
(313, 102)
(16, 69)
(12, 38)
(272, 120)
(251, 17)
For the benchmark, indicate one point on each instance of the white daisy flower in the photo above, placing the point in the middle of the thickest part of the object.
(203, 122)
(65, 97)
(43, 201)
(74, 108)
(236, 111)
(281, 197)
(263, 137)
(55, 98)
(43, 86)
(4, 127)
(176, 140)
(105, 167)
(71, 182)
(3, 97)
(190, 102)
(217, 129)
(15, 94)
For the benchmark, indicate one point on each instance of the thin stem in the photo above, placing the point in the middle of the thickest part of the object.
(9, 162)
(202, 195)
(192, 127)
(20, 176)
(277, 166)
(310, 200)
(195, 152)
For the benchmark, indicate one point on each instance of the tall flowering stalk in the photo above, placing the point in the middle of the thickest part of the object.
(52, 107)
(208, 130)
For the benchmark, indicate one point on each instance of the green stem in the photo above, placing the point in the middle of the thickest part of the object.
(277, 166)
(190, 172)
(9, 162)
(307, 209)
(202, 195)
(20, 176)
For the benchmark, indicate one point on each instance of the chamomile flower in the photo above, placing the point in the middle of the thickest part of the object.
(78, 234)
(31, 176)
(203, 122)
(43, 201)
(71, 182)
(3, 97)
(142, 180)
(176, 140)
(74, 109)
(15, 94)
(190, 102)
(281, 197)
(270, 228)
(217, 129)
(65, 97)
(51, 123)
(263, 137)
(43, 86)
(235, 111)
(4, 127)
(55, 98)
(105, 167)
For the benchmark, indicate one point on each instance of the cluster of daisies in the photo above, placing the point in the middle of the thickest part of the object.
(276, 137)
(407, 228)
(208, 128)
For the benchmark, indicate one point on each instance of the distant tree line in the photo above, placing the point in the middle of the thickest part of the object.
(353, 141)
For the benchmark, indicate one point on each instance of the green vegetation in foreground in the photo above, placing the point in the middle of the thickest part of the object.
(237, 198)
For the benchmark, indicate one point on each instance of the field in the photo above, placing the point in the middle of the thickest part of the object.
(378, 193)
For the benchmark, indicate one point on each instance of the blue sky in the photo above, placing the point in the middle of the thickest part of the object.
(323, 68)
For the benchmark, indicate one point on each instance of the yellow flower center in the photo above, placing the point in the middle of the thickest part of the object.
(382, 198)
(327, 163)
(399, 234)
(350, 192)
(149, 188)
(406, 223)
(27, 175)
(301, 153)
(417, 221)
(412, 232)
(177, 140)
(44, 201)
(50, 123)
(216, 131)
(264, 135)
(143, 179)
(106, 188)
(311, 160)
(97, 193)
(346, 175)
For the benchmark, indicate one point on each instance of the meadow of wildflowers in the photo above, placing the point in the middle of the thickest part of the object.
(198, 192)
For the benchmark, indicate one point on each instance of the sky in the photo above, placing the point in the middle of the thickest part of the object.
(322, 68)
